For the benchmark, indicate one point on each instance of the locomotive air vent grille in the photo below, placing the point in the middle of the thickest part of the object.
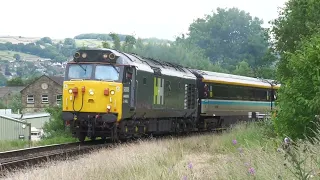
(190, 96)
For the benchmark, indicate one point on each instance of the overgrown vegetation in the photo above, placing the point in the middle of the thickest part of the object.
(296, 33)
(20, 144)
(55, 127)
(242, 153)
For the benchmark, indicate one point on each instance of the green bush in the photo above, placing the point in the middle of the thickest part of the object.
(55, 127)
(299, 96)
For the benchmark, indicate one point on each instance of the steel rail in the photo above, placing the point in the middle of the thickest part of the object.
(18, 159)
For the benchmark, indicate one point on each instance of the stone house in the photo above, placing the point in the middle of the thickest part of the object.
(7, 93)
(41, 93)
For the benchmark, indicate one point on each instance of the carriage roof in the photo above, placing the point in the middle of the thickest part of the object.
(224, 78)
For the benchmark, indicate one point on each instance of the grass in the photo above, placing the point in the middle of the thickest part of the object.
(243, 153)
(20, 144)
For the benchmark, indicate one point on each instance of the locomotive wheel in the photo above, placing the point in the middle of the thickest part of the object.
(82, 137)
(115, 134)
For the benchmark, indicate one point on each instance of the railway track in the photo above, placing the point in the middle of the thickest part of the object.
(21, 158)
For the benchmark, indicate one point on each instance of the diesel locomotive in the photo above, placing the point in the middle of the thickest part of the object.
(113, 94)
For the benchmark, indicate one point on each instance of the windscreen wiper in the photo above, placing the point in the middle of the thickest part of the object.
(85, 69)
(115, 68)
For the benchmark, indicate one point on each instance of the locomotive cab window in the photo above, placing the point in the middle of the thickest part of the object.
(80, 71)
(107, 72)
(128, 74)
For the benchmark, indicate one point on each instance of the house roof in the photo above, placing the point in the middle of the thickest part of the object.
(58, 79)
(7, 89)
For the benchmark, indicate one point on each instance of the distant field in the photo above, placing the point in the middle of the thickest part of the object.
(8, 55)
(90, 42)
(17, 39)
(79, 42)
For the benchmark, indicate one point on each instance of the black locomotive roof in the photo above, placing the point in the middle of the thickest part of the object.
(145, 64)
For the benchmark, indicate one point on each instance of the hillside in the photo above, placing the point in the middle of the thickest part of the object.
(27, 56)
(8, 55)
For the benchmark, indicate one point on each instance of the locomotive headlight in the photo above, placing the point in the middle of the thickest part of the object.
(109, 107)
(112, 92)
(70, 91)
(91, 92)
(105, 56)
(84, 55)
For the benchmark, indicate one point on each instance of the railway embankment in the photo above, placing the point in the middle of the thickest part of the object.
(248, 151)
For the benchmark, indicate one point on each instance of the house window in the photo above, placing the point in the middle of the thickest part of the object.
(59, 98)
(45, 99)
(30, 99)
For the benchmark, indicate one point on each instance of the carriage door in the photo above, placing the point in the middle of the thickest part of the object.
(131, 78)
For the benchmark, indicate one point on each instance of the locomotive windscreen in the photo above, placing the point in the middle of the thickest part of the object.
(93, 71)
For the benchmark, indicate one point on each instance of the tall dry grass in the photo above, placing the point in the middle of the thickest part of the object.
(243, 153)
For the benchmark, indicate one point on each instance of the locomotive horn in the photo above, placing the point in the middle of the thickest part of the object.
(76, 55)
(112, 56)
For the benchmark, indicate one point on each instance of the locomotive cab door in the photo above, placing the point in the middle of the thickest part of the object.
(130, 75)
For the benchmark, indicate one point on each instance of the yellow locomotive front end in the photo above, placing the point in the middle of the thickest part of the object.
(92, 94)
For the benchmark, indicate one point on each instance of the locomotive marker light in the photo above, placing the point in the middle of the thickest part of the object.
(77, 55)
(108, 108)
(75, 91)
(91, 92)
(105, 56)
(112, 56)
(106, 92)
(84, 55)
(112, 92)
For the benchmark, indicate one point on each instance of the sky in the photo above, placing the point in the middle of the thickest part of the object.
(164, 19)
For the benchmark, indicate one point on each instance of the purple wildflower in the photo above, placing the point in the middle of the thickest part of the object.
(234, 142)
(251, 171)
(184, 178)
(190, 165)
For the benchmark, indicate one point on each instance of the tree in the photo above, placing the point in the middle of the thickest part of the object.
(230, 36)
(3, 80)
(105, 44)
(55, 127)
(116, 41)
(15, 103)
(46, 40)
(299, 99)
(296, 41)
(15, 82)
(129, 43)
(299, 19)
(243, 69)
(17, 57)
